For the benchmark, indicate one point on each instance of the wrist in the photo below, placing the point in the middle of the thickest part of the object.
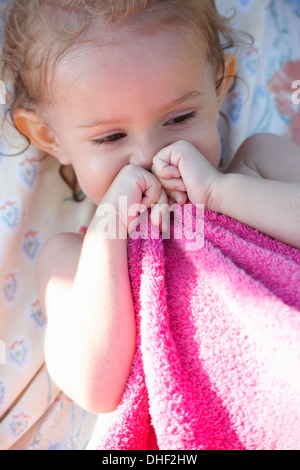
(110, 221)
(229, 193)
(215, 192)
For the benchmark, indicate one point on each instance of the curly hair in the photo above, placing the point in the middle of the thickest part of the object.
(39, 33)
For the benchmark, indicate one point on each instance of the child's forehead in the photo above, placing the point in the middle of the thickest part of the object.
(107, 38)
(125, 44)
(108, 42)
(158, 65)
(110, 33)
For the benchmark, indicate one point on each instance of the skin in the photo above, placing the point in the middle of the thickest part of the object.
(137, 118)
(130, 103)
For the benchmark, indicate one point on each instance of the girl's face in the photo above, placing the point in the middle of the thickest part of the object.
(123, 102)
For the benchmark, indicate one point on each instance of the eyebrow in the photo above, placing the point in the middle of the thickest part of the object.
(189, 96)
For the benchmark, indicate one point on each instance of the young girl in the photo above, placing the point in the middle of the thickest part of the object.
(128, 92)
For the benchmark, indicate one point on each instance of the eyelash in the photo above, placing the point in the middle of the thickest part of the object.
(111, 139)
(183, 118)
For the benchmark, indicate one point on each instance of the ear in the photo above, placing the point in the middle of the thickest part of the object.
(39, 134)
(229, 74)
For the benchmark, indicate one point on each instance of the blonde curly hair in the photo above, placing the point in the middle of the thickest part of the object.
(38, 34)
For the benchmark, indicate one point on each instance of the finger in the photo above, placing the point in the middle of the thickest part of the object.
(165, 218)
(151, 189)
(173, 184)
(169, 156)
(160, 212)
(163, 169)
(178, 197)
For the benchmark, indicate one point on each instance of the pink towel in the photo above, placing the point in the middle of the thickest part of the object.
(217, 364)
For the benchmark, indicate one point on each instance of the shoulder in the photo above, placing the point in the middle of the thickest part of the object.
(267, 156)
(61, 242)
(57, 263)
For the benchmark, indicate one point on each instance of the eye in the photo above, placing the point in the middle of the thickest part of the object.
(109, 139)
(181, 119)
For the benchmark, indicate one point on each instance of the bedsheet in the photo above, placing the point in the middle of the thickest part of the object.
(35, 204)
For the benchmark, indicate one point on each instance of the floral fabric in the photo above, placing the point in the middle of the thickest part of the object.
(35, 204)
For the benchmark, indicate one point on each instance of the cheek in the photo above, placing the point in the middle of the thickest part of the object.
(209, 144)
(215, 154)
(95, 176)
(90, 182)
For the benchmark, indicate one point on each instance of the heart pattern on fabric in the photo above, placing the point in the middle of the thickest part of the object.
(19, 423)
(36, 314)
(28, 171)
(10, 287)
(9, 214)
(18, 352)
(31, 244)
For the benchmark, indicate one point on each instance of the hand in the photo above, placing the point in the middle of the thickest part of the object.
(185, 173)
(134, 190)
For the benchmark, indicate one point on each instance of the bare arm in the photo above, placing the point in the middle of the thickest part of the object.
(268, 156)
(90, 338)
(260, 189)
(273, 207)
(85, 289)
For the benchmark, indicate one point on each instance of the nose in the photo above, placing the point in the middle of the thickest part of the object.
(145, 151)
(142, 159)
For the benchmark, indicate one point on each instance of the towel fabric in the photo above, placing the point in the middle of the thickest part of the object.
(35, 204)
(217, 364)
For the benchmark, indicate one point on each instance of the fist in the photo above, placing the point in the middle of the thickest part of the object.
(186, 174)
(133, 191)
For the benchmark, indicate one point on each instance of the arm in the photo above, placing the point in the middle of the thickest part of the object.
(85, 289)
(262, 187)
(271, 206)
(90, 337)
(268, 156)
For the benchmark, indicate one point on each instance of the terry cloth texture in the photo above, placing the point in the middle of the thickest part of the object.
(217, 364)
